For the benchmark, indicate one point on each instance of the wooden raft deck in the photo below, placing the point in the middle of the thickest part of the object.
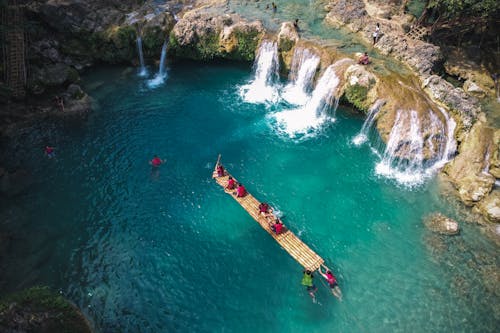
(288, 240)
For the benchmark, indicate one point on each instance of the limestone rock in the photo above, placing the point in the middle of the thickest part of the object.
(346, 12)
(495, 155)
(456, 99)
(56, 74)
(472, 88)
(441, 224)
(287, 36)
(358, 86)
(490, 206)
(466, 171)
(203, 36)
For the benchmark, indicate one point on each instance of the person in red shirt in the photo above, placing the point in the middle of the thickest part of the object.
(230, 183)
(49, 151)
(220, 171)
(241, 191)
(278, 226)
(332, 282)
(156, 161)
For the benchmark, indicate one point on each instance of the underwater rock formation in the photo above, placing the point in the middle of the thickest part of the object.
(39, 310)
(441, 224)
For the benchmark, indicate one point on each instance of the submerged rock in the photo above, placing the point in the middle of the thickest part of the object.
(39, 310)
(441, 224)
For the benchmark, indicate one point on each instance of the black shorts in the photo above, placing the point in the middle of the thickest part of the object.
(311, 288)
(333, 285)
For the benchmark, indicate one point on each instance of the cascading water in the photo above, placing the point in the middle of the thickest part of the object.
(314, 113)
(303, 68)
(142, 71)
(263, 88)
(410, 159)
(162, 74)
(362, 136)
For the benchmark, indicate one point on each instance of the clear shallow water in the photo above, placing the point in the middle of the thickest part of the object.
(141, 251)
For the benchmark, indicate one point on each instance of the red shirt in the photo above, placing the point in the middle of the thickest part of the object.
(278, 227)
(220, 171)
(230, 184)
(330, 278)
(49, 150)
(156, 161)
(240, 191)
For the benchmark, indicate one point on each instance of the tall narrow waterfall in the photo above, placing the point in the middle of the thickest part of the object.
(408, 157)
(314, 113)
(362, 136)
(303, 68)
(143, 71)
(263, 88)
(162, 74)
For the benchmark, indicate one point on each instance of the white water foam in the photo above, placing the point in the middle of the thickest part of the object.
(403, 158)
(313, 114)
(303, 68)
(263, 88)
(362, 136)
(160, 77)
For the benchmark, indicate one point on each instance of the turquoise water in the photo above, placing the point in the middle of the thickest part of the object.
(168, 251)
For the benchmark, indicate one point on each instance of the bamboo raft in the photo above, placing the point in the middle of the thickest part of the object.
(287, 239)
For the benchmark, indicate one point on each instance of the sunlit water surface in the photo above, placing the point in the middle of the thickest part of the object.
(167, 251)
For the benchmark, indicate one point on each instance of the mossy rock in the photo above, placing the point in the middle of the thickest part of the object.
(357, 96)
(247, 44)
(38, 309)
(206, 48)
(152, 41)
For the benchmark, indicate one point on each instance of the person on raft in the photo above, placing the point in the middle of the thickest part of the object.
(241, 191)
(231, 184)
(332, 282)
(220, 170)
(278, 226)
(156, 161)
(265, 210)
(307, 281)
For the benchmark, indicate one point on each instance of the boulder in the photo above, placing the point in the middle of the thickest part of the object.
(441, 224)
(56, 75)
(467, 170)
(287, 39)
(467, 107)
(490, 207)
(358, 86)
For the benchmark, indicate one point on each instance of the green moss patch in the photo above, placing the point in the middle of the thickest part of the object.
(356, 95)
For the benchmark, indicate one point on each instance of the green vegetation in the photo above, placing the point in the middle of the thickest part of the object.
(247, 44)
(39, 310)
(356, 95)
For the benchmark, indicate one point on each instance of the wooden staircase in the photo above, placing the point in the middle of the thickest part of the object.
(418, 32)
(14, 48)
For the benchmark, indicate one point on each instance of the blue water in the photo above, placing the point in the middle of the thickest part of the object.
(167, 251)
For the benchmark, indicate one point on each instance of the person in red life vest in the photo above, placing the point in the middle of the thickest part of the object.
(49, 151)
(230, 183)
(332, 282)
(364, 59)
(278, 226)
(241, 191)
(156, 161)
(220, 170)
(265, 210)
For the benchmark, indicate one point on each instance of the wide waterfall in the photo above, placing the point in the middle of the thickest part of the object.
(314, 113)
(162, 74)
(263, 88)
(142, 71)
(362, 136)
(303, 68)
(408, 157)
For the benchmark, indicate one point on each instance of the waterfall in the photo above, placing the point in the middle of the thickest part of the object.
(362, 136)
(314, 113)
(404, 158)
(143, 71)
(303, 68)
(161, 75)
(263, 88)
